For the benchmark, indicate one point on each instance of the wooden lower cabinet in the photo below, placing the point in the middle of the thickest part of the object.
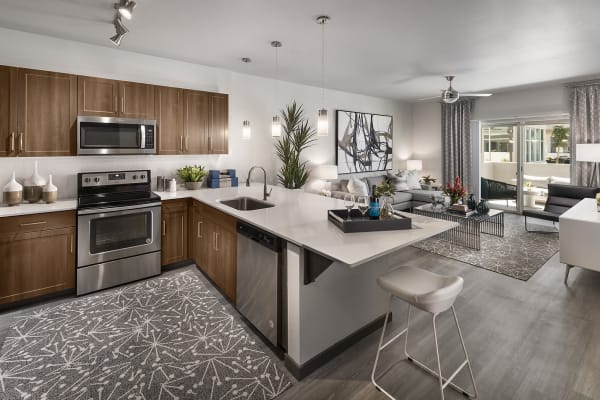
(213, 246)
(174, 227)
(38, 255)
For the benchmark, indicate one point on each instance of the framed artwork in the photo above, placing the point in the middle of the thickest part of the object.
(364, 142)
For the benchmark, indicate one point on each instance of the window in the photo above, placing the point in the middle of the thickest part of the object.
(534, 144)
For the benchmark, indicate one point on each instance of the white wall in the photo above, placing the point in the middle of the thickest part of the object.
(427, 137)
(250, 97)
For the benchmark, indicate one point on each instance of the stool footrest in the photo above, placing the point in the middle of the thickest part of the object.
(392, 339)
(448, 381)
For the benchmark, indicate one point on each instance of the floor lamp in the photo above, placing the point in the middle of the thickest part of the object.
(589, 152)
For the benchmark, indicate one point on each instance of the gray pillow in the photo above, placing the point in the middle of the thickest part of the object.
(398, 181)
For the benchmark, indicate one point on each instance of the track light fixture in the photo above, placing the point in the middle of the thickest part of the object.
(125, 8)
(120, 31)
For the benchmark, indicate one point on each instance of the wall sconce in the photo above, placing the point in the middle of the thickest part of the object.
(246, 131)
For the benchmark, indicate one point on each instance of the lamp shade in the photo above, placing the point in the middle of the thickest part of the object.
(325, 172)
(414, 165)
(587, 152)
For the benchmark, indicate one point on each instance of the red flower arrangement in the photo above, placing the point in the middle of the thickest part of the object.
(455, 191)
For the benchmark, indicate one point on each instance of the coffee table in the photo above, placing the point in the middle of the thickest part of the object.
(468, 232)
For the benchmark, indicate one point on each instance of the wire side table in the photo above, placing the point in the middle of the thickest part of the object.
(468, 232)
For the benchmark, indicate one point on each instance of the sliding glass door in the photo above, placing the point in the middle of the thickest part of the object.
(518, 160)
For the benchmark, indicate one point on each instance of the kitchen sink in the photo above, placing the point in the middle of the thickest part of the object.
(245, 203)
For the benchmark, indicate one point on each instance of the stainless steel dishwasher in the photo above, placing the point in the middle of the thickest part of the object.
(259, 280)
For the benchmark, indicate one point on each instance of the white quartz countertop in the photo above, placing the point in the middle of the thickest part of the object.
(301, 218)
(298, 217)
(37, 208)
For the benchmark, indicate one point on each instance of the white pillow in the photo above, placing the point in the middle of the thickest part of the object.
(399, 181)
(357, 187)
(412, 180)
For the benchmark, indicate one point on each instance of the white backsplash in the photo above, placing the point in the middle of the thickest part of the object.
(64, 169)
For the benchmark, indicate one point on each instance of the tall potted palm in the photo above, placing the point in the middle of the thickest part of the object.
(297, 136)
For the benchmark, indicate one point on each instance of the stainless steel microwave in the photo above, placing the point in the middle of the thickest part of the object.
(108, 135)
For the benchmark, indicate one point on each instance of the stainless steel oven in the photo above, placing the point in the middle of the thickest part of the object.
(107, 135)
(118, 229)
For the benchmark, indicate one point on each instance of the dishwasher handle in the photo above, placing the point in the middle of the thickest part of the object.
(261, 237)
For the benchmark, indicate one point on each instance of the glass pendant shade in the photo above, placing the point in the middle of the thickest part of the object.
(276, 127)
(246, 131)
(322, 123)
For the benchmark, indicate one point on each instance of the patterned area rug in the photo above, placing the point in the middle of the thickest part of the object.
(519, 254)
(165, 338)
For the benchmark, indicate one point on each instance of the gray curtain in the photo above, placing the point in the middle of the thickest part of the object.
(456, 142)
(585, 128)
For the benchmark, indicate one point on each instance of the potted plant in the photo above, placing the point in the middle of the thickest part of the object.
(427, 181)
(192, 175)
(455, 190)
(297, 136)
(385, 191)
(559, 136)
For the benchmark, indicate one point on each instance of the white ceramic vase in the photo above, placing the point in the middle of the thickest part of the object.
(32, 191)
(13, 192)
(50, 191)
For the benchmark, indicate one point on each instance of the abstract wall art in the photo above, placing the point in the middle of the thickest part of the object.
(364, 142)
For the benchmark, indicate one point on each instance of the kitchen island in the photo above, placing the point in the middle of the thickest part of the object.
(341, 300)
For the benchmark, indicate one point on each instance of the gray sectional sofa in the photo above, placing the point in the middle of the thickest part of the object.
(403, 200)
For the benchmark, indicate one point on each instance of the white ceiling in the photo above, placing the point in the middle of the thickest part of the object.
(390, 48)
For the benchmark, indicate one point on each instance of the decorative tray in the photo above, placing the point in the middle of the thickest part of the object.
(358, 223)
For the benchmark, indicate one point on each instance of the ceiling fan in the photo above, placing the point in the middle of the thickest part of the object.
(451, 95)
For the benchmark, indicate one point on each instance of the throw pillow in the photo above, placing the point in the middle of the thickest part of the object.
(398, 181)
(412, 180)
(357, 187)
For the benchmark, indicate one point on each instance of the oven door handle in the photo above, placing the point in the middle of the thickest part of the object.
(88, 211)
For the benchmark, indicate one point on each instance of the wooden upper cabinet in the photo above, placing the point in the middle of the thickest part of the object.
(46, 113)
(136, 100)
(97, 97)
(219, 115)
(195, 122)
(109, 98)
(8, 115)
(169, 119)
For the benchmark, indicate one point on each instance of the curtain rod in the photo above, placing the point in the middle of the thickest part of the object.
(583, 83)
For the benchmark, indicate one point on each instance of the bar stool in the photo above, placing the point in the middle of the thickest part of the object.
(429, 292)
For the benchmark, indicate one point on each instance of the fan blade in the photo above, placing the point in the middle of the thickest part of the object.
(476, 94)
(428, 98)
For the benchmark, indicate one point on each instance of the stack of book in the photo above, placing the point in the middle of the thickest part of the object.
(221, 178)
(461, 209)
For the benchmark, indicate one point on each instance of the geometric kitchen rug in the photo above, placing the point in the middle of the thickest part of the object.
(163, 338)
(519, 254)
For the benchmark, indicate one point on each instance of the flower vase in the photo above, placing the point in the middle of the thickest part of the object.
(482, 207)
(385, 204)
(471, 202)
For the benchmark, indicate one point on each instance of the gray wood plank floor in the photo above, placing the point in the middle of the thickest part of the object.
(527, 340)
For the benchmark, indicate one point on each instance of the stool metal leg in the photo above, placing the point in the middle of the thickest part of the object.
(462, 342)
(437, 356)
(445, 382)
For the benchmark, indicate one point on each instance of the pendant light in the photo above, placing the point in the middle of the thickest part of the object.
(276, 124)
(323, 120)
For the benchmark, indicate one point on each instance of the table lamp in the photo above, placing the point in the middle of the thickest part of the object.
(589, 152)
(414, 165)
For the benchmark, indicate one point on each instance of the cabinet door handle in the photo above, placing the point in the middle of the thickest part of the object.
(123, 104)
(164, 228)
(186, 143)
(116, 108)
(12, 142)
(209, 143)
(199, 230)
(181, 143)
(217, 241)
(20, 141)
(33, 223)
(71, 244)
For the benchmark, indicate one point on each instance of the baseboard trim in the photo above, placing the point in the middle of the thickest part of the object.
(301, 371)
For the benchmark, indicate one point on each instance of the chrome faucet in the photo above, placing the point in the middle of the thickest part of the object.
(265, 193)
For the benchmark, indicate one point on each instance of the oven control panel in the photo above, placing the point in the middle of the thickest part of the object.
(114, 178)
